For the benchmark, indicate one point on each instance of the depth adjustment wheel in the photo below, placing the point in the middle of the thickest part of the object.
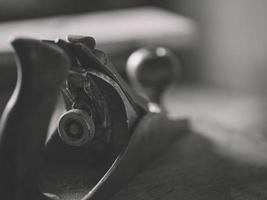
(76, 127)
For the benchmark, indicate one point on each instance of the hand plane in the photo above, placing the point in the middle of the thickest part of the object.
(107, 129)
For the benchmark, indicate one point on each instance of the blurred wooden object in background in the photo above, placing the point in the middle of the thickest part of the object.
(22, 9)
(118, 33)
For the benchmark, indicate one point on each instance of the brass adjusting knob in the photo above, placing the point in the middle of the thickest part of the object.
(76, 127)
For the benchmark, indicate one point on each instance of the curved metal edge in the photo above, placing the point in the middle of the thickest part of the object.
(152, 136)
